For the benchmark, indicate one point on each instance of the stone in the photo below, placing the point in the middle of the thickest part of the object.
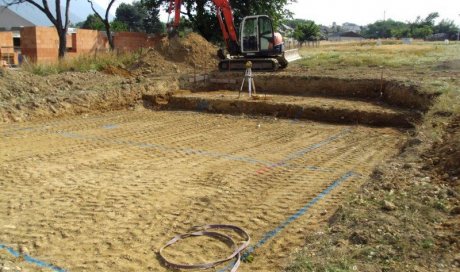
(23, 250)
(388, 206)
(51, 100)
(425, 179)
(53, 109)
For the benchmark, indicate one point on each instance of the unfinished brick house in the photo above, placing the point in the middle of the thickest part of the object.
(20, 41)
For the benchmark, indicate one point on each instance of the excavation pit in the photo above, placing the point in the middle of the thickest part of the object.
(293, 107)
(106, 191)
(374, 102)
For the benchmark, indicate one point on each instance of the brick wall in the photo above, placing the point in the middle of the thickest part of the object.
(89, 41)
(7, 54)
(6, 39)
(40, 44)
(132, 41)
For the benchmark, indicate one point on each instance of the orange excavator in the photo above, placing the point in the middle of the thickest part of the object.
(257, 43)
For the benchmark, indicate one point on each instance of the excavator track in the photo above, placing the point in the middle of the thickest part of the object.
(258, 64)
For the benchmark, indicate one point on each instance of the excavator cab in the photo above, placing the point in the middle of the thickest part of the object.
(257, 37)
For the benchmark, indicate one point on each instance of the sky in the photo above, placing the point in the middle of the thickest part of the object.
(361, 12)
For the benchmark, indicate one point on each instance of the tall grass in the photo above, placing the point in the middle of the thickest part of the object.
(83, 63)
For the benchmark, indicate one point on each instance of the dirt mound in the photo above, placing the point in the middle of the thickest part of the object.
(178, 55)
(117, 71)
(192, 50)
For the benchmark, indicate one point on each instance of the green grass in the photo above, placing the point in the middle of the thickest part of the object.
(399, 235)
(368, 54)
(83, 63)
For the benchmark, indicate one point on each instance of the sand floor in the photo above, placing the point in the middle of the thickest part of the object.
(105, 192)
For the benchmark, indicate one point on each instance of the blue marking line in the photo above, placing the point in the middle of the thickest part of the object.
(31, 260)
(187, 151)
(304, 151)
(300, 212)
(110, 126)
(269, 235)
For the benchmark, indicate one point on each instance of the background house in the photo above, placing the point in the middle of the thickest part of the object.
(351, 27)
(345, 36)
(10, 35)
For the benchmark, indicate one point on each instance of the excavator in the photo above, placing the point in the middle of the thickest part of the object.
(257, 43)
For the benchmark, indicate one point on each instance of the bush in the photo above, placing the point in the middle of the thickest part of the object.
(83, 63)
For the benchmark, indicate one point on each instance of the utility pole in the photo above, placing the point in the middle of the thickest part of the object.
(384, 15)
(458, 34)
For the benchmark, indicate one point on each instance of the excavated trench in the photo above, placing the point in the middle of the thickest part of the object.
(374, 102)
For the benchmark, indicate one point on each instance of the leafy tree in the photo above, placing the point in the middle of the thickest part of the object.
(202, 13)
(307, 31)
(92, 22)
(402, 31)
(140, 16)
(275, 9)
(132, 15)
(105, 21)
(294, 22)
(152, 23)
(118, 26)
(422, 32)
(59, 17)
(448, 27)
(421, 28)
(382, 29)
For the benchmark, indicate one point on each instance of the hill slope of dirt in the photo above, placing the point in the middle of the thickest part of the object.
(178, 55)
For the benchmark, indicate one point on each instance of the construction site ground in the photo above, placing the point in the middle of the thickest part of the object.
(104, 192)
(98, 171)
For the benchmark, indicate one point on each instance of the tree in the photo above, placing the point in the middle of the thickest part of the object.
(448, 27)
(421, 28)
(118, 26)
(382, 29)
(202, 13)
(105, 21)
(294, 22)
(92, 22)
(152, 23)
(307, 31)
(132, 15)
(141, 16)
(59, 19)
(402, 31)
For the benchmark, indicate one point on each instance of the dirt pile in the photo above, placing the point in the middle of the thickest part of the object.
(25, 96)
(178, 55)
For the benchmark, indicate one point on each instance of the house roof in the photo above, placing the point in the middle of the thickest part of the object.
(350, 34)
(9, 19)
(286, 27)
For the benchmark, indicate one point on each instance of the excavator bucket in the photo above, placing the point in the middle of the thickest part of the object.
(292, 55)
